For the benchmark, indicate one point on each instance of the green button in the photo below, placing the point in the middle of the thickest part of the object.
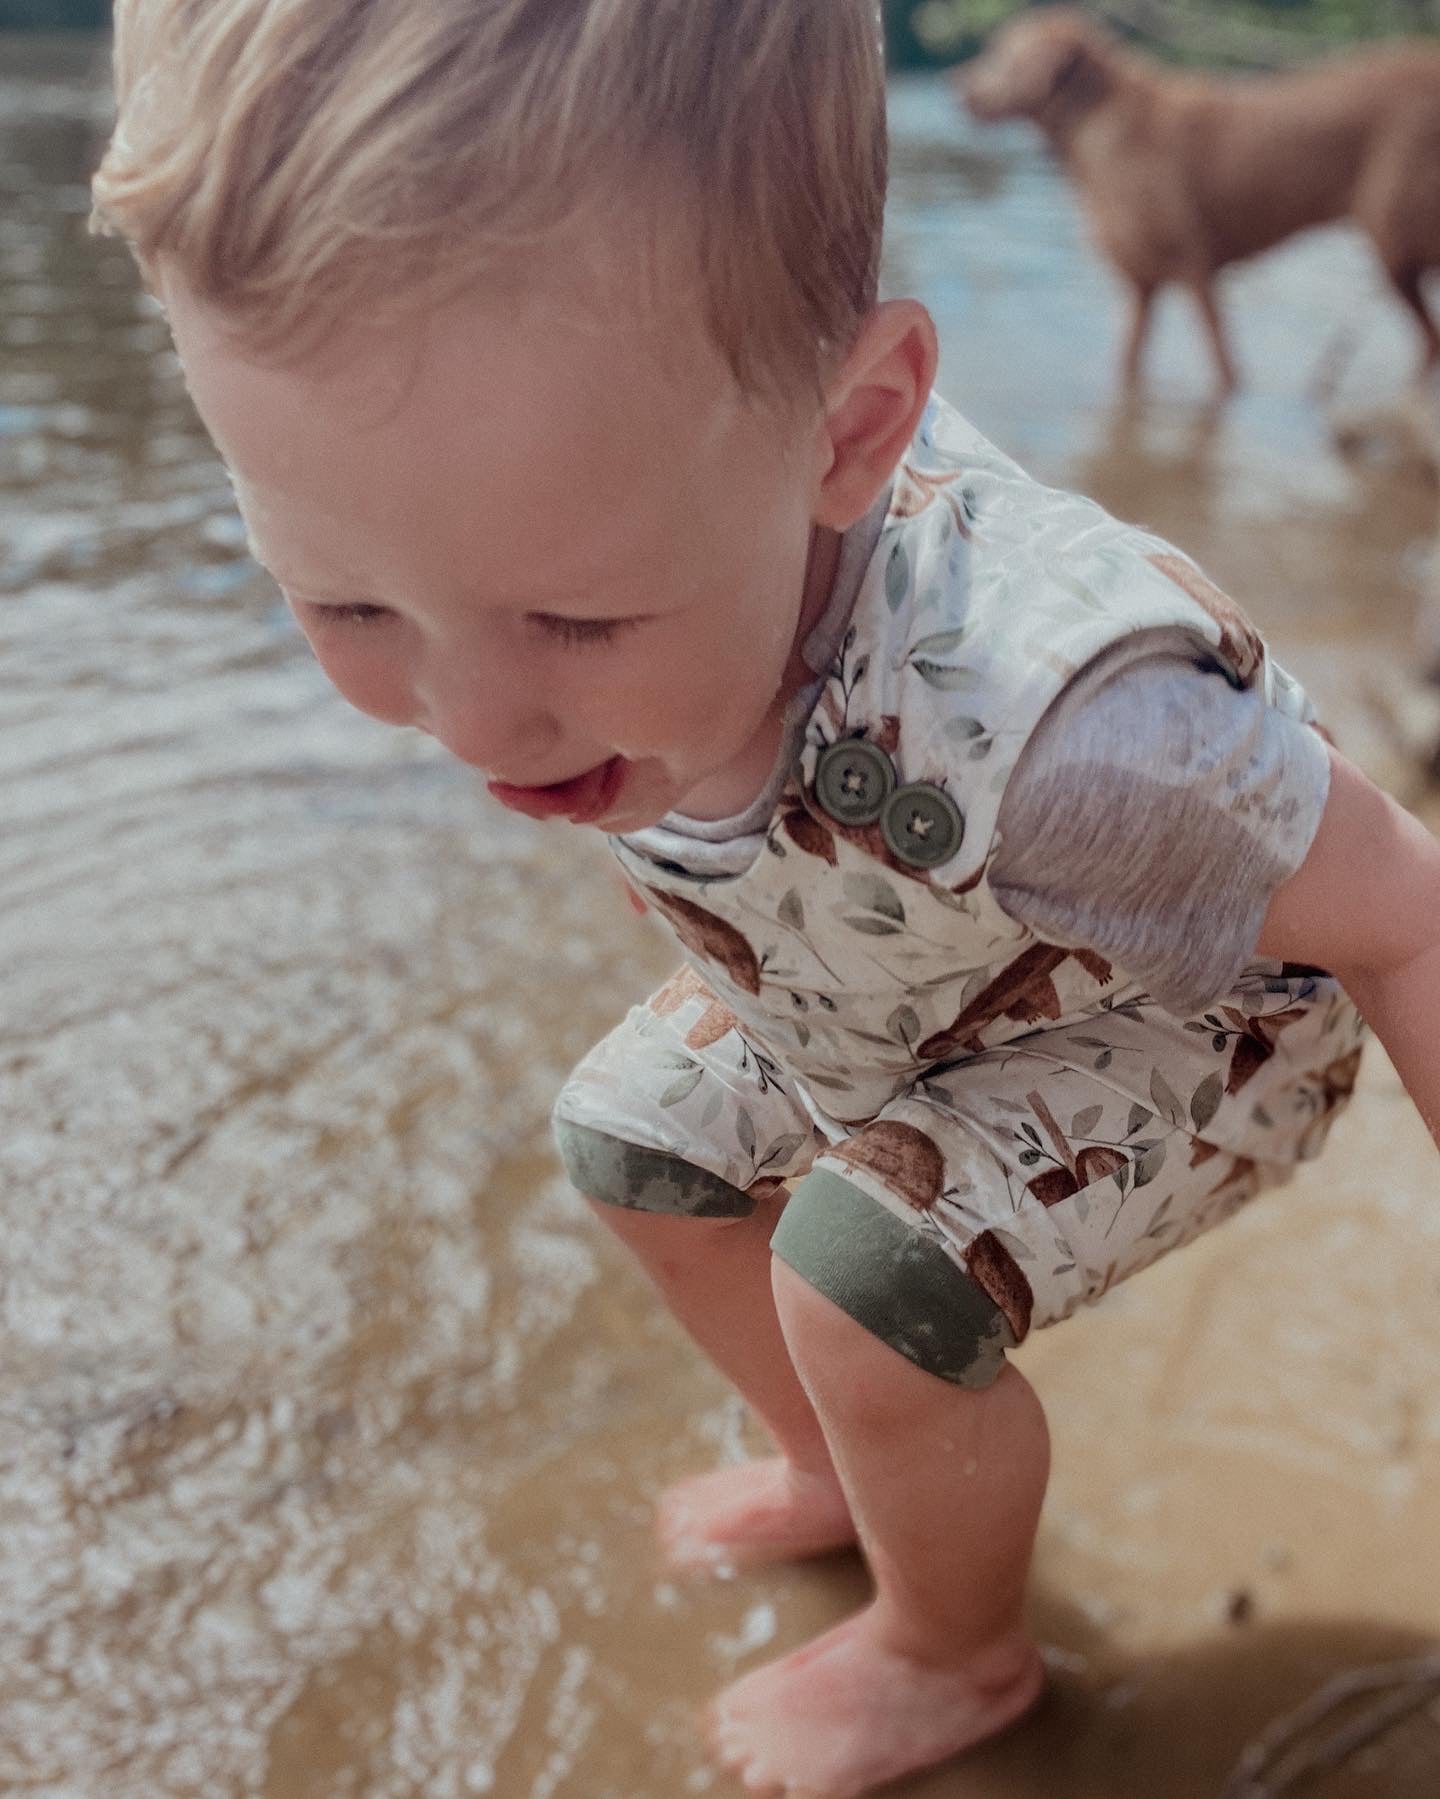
(853, 779)
(922, 825)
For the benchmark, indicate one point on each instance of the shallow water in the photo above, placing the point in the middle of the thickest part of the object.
(328, 1426)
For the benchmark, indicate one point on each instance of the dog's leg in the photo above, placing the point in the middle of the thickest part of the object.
(1203, 288)
(1407, 281)
(1142, 298)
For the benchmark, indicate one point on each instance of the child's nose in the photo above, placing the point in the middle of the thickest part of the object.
(487, 722)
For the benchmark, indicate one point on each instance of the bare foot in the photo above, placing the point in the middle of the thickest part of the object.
(847, 1712)
(750, 1513)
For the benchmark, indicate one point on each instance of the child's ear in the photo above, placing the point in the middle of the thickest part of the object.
(873, 404)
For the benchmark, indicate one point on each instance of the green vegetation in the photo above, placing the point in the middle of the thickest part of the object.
(53, 15)
(1238, 33)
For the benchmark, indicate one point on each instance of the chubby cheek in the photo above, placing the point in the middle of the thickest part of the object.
(366, 681)
(702, 707)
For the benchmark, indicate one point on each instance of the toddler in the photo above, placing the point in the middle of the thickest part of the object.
(1028, 919)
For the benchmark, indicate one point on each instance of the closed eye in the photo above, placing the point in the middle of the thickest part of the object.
(569, 631)
(577, 631)
(361, 612)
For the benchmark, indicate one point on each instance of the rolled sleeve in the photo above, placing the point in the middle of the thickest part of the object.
(1152, 816)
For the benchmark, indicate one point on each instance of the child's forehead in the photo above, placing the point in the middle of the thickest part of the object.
(534, 372)
(541, 459)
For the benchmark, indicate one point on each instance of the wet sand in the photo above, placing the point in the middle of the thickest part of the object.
(329, 1427)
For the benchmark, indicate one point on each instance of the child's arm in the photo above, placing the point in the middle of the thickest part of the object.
(1365, 905)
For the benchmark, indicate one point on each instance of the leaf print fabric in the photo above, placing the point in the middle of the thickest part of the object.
(1030, 1107)
(680, 1075)
(1048, 1170)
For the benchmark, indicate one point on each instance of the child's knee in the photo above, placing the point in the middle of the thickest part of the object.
(897, 1284)
(639, 1179)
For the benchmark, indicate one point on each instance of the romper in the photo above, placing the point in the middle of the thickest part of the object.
(960, 1097)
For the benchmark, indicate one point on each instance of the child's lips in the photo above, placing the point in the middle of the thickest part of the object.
(581, 799)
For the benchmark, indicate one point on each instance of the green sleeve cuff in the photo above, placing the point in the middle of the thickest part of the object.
(644, 1180)
(899, 1284)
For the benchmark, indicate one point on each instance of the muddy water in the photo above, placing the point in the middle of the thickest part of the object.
(328, 1427)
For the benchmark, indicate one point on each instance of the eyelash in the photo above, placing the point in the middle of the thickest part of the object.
(572, 632)
(358, 614)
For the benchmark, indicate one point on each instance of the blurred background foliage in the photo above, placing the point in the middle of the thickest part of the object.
(1221, 33)
(53, 15)
(1240, 33)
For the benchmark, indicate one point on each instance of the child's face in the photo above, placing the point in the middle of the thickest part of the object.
(577, 563)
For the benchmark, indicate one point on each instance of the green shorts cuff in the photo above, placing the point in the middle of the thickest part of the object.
(897, 1283)
(645, 1180)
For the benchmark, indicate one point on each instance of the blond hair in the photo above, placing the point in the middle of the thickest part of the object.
(303, 162)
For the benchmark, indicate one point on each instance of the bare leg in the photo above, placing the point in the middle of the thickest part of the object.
(1204, 291)
(715, 1276)
(1141, 301)
(946, 1486)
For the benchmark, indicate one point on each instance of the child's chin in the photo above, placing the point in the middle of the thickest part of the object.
(622, 822)
(645, 797)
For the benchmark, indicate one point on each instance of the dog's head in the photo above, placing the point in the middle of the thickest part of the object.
(1041, 64)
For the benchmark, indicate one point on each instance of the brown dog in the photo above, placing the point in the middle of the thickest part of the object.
(1181, 174)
